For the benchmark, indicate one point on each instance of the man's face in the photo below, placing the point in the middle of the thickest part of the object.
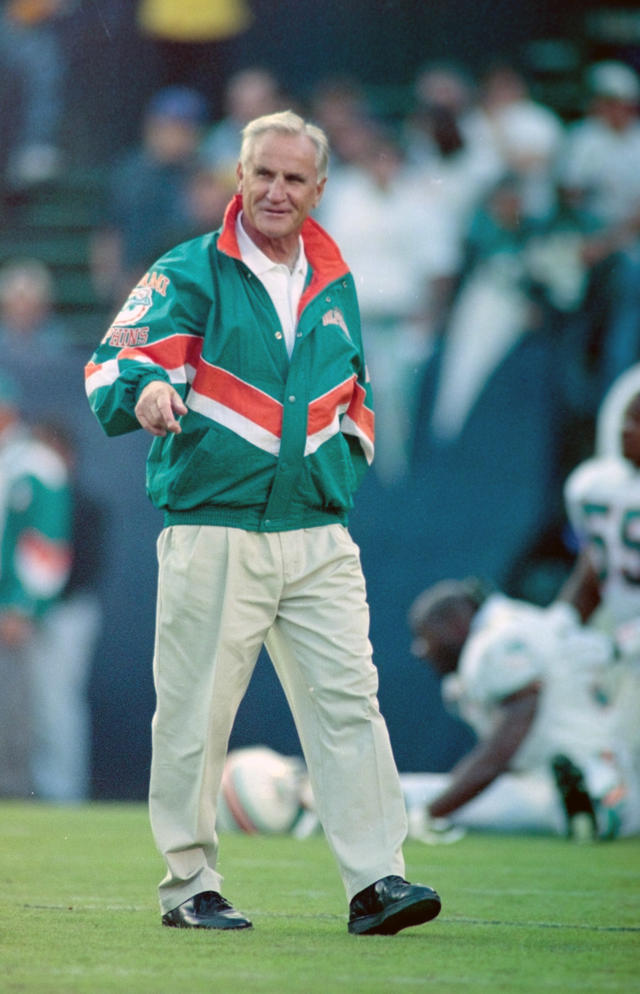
(279, 186)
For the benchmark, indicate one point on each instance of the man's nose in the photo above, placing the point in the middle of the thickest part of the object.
(276, 189)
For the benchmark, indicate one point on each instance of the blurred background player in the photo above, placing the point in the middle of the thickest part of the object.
(533, 684)
(35, 558)
(65, 646)
(603, 505)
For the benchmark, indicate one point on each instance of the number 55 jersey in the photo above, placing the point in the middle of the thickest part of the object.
(602, 498)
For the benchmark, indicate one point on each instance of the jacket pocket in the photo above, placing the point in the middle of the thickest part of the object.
(215, 466)
(330, 478)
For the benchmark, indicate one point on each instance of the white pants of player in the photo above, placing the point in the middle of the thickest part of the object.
(44, 709)
(514, 802)
(222, 594)
(526, 802)
(61, 666)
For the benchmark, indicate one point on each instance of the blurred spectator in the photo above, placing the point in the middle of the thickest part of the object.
(209, 190)
(249, 93)
(599, 163)
(32, 62)
(28, 322)
(493, 308)
(35, 557)
(340, 107)
(525, 134)
(64, 648)
(445, 136)
(146, 209)
(397, 240)
(444, 87)
(600, 179)
(489, 421)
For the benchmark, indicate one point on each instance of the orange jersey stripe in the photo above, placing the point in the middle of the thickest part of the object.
(230, 391)
(360, 414)
(177, 350)
(323, 409)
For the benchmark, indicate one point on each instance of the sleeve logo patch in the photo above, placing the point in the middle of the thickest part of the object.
(138, 303)
(155, 281)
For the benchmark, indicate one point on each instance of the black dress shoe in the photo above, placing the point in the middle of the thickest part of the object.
(391, 904)
(206, 910)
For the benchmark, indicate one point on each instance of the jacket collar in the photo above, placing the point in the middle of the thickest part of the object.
(323, 254)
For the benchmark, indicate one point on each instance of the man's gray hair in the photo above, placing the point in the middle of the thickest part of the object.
(286, 122)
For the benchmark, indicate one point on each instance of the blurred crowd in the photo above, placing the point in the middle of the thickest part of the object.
(495, 244)
(474, 218)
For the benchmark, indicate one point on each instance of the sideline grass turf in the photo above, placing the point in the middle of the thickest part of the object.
(78, 915)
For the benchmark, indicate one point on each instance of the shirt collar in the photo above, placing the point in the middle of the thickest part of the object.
(255, 258)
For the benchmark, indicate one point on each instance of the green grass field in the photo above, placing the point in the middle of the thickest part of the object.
(79, 915)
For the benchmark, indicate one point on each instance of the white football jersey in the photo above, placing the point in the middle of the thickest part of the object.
(602, 498)
(513, 644)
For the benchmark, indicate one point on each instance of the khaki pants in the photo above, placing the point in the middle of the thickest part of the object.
(222, 594)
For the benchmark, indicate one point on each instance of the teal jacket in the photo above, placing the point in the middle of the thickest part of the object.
(35, 523)
(268, 443)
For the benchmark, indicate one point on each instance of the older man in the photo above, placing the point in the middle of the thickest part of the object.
(241, 352)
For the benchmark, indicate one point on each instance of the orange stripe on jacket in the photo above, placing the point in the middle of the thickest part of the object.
(323, 409)
(176, 350)
(360, 414)
(223, 387)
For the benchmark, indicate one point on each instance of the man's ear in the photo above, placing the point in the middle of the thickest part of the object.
(319, 191)
(239, 176)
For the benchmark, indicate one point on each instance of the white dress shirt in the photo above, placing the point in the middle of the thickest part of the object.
(283, 285)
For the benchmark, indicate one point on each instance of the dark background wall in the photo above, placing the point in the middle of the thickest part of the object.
(113, 70)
